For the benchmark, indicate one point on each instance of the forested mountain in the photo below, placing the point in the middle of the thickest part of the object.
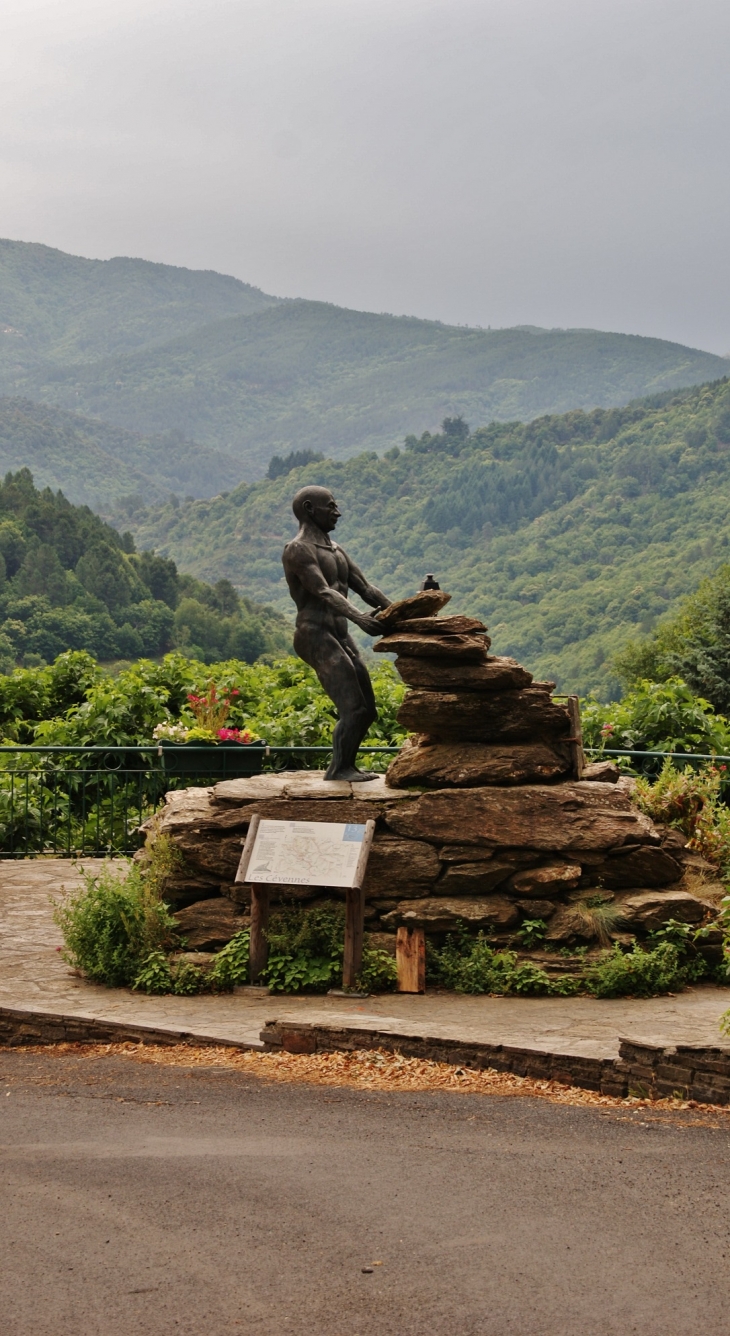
(96, 464)
(58, 308)
(70, 581)
(569, 535)
(153, 349)
(306, 375)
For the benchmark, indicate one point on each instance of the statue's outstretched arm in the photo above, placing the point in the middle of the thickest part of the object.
(368, 593)
(300, 562)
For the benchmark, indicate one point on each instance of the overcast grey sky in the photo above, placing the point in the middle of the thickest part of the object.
(492, 162)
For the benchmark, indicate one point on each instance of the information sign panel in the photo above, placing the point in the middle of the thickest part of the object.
(306, 853)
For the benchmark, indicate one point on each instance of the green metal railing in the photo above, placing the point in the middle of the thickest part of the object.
(657, 755)
(74, 801)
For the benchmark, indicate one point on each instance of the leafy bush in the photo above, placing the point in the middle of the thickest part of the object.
(230, 967)
(155, 974)
(656, 716)
(663, 968)
(379, 972)
(188, 979)
(306, 949)
(470, 965)
(678, 797)
(671, 961)
(692, 801)
(113, 924)
(162, 974)
(532, 932)
(281, 702)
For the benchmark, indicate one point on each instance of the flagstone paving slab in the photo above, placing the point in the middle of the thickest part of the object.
(34, 977)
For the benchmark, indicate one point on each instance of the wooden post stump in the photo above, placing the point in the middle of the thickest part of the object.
(410, 958)
(576, 737)
(258, 953)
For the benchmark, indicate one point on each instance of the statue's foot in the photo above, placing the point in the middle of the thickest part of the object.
(350, 774)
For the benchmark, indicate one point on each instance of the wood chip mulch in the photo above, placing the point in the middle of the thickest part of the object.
(371, 1069)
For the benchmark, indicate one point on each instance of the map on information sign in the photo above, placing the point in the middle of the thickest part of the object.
(305, 853)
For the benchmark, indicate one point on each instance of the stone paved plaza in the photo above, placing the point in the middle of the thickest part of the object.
(34, 977)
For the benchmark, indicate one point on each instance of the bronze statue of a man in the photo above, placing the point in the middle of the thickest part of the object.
(319, 575)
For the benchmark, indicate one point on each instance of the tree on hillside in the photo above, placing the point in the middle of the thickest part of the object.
(159, 574)
(42, 573)
(297, 459)
(693, 645)
(104, 573)
(456, 428)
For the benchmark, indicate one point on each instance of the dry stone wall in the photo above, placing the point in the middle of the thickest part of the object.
(486, 857)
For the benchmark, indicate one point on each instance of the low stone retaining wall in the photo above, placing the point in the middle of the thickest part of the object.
(589, 1073)
(652, 1071)
(647, 1070)
(19, 1027)
(687, 1070)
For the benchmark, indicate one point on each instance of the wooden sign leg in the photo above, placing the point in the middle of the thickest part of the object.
(258, 953)
(410, 959)
(354, 933)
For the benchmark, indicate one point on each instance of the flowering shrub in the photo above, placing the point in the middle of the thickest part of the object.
(204, 720)
(170, 732)
(211, 709)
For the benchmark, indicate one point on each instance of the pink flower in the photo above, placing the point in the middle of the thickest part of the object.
(234, 735)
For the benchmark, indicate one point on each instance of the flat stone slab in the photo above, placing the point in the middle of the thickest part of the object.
(302, 784)
(35, 981)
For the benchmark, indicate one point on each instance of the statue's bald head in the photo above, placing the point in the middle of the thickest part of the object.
(317, 505)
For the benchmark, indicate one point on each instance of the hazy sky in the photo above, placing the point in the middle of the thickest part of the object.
(492, 162)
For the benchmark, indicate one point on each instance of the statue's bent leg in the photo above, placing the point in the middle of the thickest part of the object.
(347, 683)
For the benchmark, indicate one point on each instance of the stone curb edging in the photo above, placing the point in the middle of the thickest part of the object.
(570, 1069)
(20, 1026)
(652, 1071)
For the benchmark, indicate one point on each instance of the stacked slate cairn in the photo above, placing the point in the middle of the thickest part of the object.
(476, 719)
(481, 821)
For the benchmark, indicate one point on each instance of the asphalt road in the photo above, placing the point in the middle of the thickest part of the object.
(144, 1199)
